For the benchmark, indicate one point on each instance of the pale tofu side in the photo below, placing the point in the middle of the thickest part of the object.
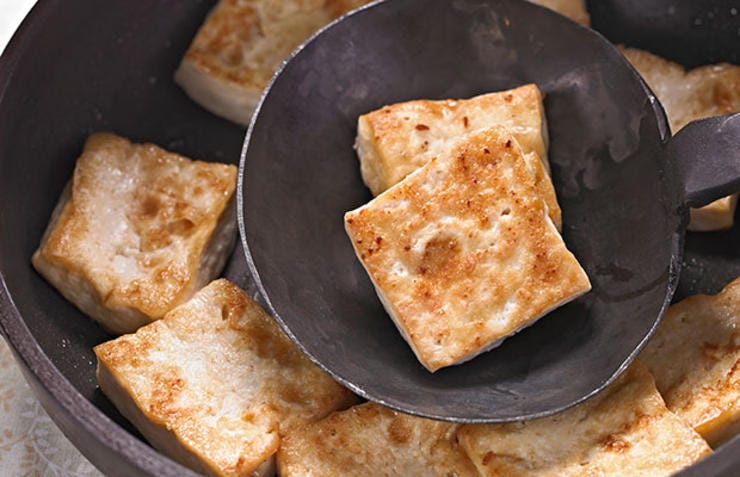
(573, 9)
(242, 43)
(687, 96)
(718, 215)
(137, 231)
(370, 440)
(215, 383)
(462, 252)
(394, 141)
(625, 430)
(695, 358)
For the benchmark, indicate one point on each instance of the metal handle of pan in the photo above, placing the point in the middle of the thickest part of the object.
(708, 154)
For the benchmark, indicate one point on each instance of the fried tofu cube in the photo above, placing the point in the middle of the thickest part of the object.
(695, 358)
(394, 141)
(706, 91)
(462, 252)
(573, 9)
(242, 43)
(370, 440)
(137, 231)
(625, 430)
(215, 383)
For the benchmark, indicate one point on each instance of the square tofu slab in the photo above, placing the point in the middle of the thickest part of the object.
(137, 231)
(242, 43)
(462, 252)
(695, 358)
(215, 383)
(573, 9)
(394, 141)
(687, 96)
(370, 440)
(625, 430)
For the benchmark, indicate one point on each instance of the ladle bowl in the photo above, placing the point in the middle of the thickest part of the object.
(624, 186)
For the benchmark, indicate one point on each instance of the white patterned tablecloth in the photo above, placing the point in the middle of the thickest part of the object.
(30, 444)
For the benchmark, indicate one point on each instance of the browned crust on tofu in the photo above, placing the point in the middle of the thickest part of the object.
(218, 46)
(241, 44)
(573, 9)
(370, 440)
(137, 231)
(706, 91)
(215, 383)
(695, 358)
(462, 252)
(625, 430)
(396, 140)
(222, 45)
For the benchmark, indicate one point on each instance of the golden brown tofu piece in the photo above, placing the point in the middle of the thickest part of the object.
(462, 252)
(574, 9)
(695, 358)
(215, 383)
(687, 96)
(242, 43)
(370, 440)
(137, 231)
(625, 430)
(396, 140)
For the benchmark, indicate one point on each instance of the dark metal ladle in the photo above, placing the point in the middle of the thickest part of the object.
(624, 185)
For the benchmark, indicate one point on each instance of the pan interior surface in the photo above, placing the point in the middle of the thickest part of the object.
(85, 66)
(619, 200)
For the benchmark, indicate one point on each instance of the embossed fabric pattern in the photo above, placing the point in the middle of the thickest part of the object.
(30, 443)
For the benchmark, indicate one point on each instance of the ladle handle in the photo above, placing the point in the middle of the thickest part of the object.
(708, 154)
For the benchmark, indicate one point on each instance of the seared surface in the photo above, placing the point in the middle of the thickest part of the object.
(370, 440)
(625, 430)
(396, 140)
(242, 43)
(215, 383)
(137, 231)
(695, 358)
(462, 252)
(574, 9)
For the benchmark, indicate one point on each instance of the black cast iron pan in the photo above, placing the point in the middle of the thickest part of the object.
(75, 68)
